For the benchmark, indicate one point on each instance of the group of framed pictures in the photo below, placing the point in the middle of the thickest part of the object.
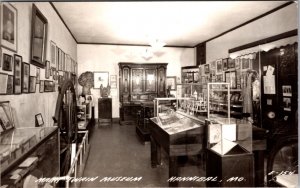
(18, 79)
(61, 60)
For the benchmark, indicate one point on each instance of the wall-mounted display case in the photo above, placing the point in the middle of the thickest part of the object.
(27, 154)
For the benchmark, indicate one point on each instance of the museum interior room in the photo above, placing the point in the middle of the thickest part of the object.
(149, 94)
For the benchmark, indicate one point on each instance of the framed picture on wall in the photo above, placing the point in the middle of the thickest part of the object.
(219, 66)
(206, 68)
(171, 82)
(48, 86)
(100, 78)
(32, 84)
(225, 64)
(38, 73)
(10, 85)
(17, 85)
(42, 85)
(6, 118)
(8, 27)
(47, 70)
(38, 37)
(53, 53)
(7, 62)
(25, 77)
(3, 83)
(39, 122)
(230, 77)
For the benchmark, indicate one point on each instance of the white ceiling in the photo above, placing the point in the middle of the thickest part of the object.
(177, 23)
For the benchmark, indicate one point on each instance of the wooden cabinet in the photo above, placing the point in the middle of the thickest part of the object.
(139, 83)
(105, 111)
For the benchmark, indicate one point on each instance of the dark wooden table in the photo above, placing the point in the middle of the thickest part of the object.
(185, 143)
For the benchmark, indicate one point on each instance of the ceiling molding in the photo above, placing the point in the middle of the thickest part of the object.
(53, 6)
(117, 44)
(265, 41)
(249, 21)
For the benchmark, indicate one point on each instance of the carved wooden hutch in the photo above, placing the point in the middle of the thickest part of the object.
(139, 82)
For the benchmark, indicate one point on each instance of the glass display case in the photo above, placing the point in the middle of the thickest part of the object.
(229, 136)
(28, 154)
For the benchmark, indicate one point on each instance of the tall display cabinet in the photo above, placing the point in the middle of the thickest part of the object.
(139, 82)
(279, 90)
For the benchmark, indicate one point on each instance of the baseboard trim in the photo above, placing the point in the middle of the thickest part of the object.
(115, 120)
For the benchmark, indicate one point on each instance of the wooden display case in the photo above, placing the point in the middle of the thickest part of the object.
(28, 154)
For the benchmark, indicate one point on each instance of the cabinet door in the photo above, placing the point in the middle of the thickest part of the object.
(125, 80)
(161, 81)
(105, 108)
(150, 80)
(137, 76)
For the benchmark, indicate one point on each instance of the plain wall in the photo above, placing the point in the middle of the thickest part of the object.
(26, 106)
(283, 20)
(106, 58)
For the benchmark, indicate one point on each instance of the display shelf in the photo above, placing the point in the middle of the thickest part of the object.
(29, 153)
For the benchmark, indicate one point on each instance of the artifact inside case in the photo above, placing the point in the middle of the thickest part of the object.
(173, 122)
(229, 136)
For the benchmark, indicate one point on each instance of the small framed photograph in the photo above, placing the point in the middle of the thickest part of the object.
(287, 104)
(32, 84)
(38, 73)
(10, 85)
(39, 122)
(47, 70)
(206, 68)
(48, 86)
(17, 87)
(237, 63)
(39, 26)
(6, 118)
(171, 82)
(213, 65)
(53, 53)
(7, 62)
(25, 77)
(287, 90)
(42, 86)
(100, 78)
(246, 64)
(3, 83)
(225, 64)
(230, 77)
(8, 27)
(113, 81)
(231, 63)
(219, 66)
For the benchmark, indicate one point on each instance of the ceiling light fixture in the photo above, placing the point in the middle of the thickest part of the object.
(157, 44)
(147, 54)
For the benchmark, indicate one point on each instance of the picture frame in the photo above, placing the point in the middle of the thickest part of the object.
(10, 85)
(53, 53)
(219, 66)
(59, 65)
(225, 64)
(47, 70)
(287, 104)
(6, 117)
(171, 82)
(39, 121)
(287, 90)
(3, 82)
(48, 86)
(7, 62)
(63, 63)
(32, 84)
(246, 64)
(38, 77)
(17, 80)
(42, 86)
(25, 77)
(39, 26)
(206, 68)
(237, 63)
(100, 78)
(8, 26)
(230, 77)
(113, 81)
(231, 63)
